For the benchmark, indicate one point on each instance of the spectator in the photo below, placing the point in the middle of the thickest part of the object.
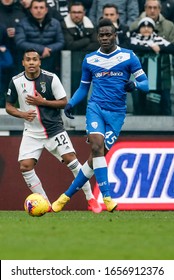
(165, 29)
(38, 30)
(25, 4)
(62, 7)
(87, 4)
(5, 62)
(79, 32)
(10, 14)
(122, 31)
(141, 4)
(128, 10)
(146, 42)
(52, 10)
(167, 8)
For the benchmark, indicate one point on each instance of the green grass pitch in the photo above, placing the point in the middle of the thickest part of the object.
(83, 235)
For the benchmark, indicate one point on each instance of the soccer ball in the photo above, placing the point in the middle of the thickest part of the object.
(36, 205)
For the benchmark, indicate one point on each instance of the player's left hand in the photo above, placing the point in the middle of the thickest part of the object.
(68, 111)
(129, 86)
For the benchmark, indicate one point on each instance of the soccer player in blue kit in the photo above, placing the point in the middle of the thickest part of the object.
(109, 69)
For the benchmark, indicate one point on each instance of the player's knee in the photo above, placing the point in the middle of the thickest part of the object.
(68, 158)
(26, 166)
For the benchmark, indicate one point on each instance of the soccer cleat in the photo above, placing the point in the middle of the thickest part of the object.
(50, 209)
(95, 206)
(110, 204)
(58, 205)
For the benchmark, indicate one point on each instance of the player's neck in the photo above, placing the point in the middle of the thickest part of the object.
(32, 76)
(108, 51)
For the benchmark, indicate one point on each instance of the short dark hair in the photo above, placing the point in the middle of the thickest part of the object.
(39, 2)
(76, 3)
(109, 5)
(105, 22)
(31, 50)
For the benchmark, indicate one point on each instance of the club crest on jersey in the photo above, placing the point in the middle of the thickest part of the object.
(94, 124)
(43, 87)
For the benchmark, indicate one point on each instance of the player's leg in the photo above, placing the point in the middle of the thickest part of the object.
(82, 177)
(29, 153)
(69, 158)
(85, 173)
(94, 124)
(101, 170)
(75, 167)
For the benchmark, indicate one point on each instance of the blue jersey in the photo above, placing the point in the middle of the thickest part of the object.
(108, 74)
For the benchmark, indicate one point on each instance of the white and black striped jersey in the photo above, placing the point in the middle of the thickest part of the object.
(48, 121)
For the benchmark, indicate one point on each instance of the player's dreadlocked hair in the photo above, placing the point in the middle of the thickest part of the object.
(105, 22)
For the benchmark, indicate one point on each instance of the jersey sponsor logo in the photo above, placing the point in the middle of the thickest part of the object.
(108, 73)
(141, 175)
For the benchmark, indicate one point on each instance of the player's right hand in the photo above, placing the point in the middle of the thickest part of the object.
(129, 86)
(30, 115)
(68, 111)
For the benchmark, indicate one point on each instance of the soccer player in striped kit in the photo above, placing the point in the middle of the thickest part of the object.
(41, 96)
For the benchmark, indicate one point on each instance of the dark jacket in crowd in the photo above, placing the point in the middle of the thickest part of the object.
(123, 36)
(167, 9)
(10, 16)
(31, 34)
(82, 38)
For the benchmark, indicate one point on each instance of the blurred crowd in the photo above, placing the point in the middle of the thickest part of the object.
(49, 26)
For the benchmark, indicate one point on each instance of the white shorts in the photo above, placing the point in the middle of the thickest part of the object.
(58, 145)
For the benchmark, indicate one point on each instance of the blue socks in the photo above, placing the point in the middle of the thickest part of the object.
(101, 174)
(82, 177)
(85, 173)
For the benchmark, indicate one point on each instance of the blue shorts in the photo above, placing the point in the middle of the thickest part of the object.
(106, 123)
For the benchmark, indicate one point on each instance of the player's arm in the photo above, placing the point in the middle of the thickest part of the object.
(39, 100)
(141, 80)
(81, 92)
(78, 96)
(141, 83)
(11, 99)
(11, 109)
